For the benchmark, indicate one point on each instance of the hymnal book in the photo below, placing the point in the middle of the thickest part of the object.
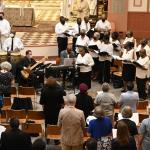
(93, 47)
(103, 54)
(115, 45)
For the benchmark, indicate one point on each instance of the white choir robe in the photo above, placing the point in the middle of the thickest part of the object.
(66, 8)
(17, 44)
(92, 5)
(5, 30)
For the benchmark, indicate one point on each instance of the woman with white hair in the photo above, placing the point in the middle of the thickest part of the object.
(6, 79)
(145, 132)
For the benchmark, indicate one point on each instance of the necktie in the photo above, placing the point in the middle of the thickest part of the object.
(79, 28)
(12, 44)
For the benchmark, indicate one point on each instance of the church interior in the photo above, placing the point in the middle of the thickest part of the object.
(34, 23)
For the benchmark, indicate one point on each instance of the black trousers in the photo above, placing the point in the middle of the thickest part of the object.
(85, 77)
(104, 71)
(62, 44)
(141, 87)
(74, 44)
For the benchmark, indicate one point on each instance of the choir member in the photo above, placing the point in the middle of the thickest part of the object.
(85, 62)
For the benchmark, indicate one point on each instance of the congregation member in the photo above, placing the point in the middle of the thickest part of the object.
(91, 144)
(129, 38)
(39, 144)
(100, 128)
(68, 53)
(72, 123)
(6, 79)
(103, 25)
(82, 40)
(76, 33)
(126, 115)
(84, 102)
(61, 30)
(14, 138)
(4, 29)
(35, 78)
(84, 62)
(13, 43)
(145, 132)
(142, 73)
(106, 100)
(52, 100)
(129, 98)
(128, 70)
(114, 40)
(94, 47)
(82, 8)
(123, 141)
(105, 58)
(85, 24)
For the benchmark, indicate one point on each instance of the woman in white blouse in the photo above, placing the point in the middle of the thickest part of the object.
(128, 71)
(85, 62)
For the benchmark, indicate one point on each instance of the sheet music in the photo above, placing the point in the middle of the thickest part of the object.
(135, 117)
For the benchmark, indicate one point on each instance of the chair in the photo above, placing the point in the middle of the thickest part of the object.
(142, 105)
(6, 103)
(24, 92)
(32, 128)
(85, 134)
(142, 117)
(118, 65)
(14, 92)
(53, 132)
(20, 114)
(37, 116)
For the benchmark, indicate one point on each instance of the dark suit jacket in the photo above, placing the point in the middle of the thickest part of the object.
(15, 139)
(64, 54)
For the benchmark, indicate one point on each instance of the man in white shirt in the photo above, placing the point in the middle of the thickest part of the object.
(13, 43)
(4, 29)
(142, 73)
(61, 30)
(82, 40)
(76, 33)
(103, 25)
(85, 24)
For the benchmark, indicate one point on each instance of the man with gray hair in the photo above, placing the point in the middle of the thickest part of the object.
(72, 123)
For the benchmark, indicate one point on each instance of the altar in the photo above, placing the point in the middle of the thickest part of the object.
(20, 16)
